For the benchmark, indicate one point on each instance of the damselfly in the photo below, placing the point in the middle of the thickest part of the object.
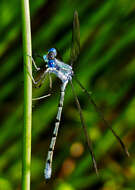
(65, 73)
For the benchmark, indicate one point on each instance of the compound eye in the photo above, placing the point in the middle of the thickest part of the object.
(51, 55)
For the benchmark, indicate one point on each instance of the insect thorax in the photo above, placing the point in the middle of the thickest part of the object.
(62, 73)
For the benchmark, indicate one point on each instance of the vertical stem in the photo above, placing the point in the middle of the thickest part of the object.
(26, 146)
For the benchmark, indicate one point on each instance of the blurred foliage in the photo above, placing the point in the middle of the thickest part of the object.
(106, 67)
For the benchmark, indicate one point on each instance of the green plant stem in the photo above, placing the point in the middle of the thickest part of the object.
(26, 146)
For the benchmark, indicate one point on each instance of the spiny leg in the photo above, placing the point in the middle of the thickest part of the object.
(37, 68)
(85, 129)
(38, 82)
(42, 79)
(41, 97)
(48, 166)
(31, 76)
(102, 117)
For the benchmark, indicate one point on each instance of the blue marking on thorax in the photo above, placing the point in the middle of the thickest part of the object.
(51, 63)
(62, 70)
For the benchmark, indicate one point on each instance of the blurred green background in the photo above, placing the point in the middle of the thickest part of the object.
(106, 67)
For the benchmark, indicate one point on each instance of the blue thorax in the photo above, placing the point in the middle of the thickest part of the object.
(50, 62)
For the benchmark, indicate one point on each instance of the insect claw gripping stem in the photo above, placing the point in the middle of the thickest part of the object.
(37, 82)
(37, 68)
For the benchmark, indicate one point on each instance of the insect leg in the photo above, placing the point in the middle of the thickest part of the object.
(37, 68)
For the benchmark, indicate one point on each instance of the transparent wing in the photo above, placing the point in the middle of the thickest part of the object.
(102, 117)
(62, 65)
(75, 49)
(89, 143)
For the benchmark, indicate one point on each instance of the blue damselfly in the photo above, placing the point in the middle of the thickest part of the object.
(65, 73)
